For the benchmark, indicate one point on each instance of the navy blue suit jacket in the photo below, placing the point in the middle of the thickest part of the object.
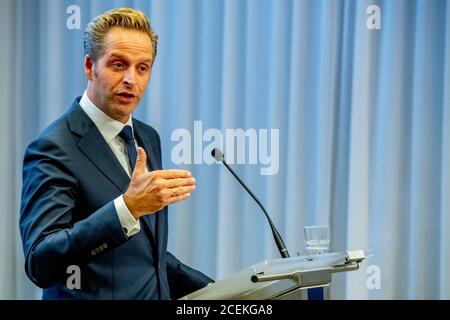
(70, 179)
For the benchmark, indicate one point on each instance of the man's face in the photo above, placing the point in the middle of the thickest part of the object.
(118, 79)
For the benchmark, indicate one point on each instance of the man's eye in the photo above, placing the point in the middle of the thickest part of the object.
(118, 65)
(143, 68)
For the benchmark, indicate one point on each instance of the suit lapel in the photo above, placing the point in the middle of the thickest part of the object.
(152, 221)
(95, 148)
(153, 163)
(150, 149)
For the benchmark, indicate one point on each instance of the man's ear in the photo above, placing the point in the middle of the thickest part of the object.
(88, 67)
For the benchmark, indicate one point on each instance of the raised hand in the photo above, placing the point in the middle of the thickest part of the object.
(149, 192)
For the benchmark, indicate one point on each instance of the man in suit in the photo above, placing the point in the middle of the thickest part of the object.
(94, 195)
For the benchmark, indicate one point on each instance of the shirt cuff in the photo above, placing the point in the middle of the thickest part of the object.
(129, 223)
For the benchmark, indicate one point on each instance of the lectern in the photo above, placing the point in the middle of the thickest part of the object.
(298, 278)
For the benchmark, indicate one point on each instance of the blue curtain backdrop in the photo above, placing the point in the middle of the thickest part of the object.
(363, 118)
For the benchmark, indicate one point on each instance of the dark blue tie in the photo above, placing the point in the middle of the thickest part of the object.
(127, 135)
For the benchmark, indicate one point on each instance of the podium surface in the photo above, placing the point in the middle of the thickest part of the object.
(288, 278)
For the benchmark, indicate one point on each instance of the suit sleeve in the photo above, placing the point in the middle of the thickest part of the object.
(52, 241)
(183, 279)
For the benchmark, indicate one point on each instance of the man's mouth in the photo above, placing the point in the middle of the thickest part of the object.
(125, 97)
(126, 94)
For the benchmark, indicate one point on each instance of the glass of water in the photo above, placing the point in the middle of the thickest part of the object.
(317, 239)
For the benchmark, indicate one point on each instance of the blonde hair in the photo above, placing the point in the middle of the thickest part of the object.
(127, 18)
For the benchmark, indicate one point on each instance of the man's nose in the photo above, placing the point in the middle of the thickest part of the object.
(130, 77)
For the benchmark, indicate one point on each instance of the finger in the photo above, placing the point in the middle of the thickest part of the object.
(173, 174)
(141, 162)
(179, 182)
(174, 192)
(179, 198)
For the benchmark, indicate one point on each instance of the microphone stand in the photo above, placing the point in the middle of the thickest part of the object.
(278, 240)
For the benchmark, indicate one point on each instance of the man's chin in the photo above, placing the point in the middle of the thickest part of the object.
(122, 111)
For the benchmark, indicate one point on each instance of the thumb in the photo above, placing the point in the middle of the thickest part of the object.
(141, 161)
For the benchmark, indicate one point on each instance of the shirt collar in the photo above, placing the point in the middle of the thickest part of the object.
(108, 127)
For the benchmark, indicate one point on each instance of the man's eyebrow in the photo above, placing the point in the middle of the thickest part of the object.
(116, 55)
(120, 56)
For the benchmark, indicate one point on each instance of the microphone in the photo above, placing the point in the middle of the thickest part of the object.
(218, 155)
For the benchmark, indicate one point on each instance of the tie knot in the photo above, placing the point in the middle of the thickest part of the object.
(126, 134)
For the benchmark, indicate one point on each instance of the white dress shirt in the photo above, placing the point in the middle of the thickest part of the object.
(110, 129)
